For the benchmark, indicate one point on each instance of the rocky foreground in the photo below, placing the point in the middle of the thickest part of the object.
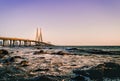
(32, 64)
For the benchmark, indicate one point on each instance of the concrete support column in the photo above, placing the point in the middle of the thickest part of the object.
(34, 43)
(20, 43)
(10, 42)
(25, 43)
(30, 43)
(37, 43)
(3, 43)
(13, 42)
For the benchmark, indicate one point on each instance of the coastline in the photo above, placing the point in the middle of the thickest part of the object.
(52, 64)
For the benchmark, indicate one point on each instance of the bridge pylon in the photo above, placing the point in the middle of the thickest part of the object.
(39, 38)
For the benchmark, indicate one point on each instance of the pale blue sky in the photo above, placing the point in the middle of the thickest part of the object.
(63, 22)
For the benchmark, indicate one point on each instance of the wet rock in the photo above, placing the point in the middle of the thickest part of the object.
(95, 74)
(13, 59)
(17, 51)
(50, 48)
(24, 63)
(3, 52)
(80, 72)
(17, 57)
(42, 78)
(38, 48)
(11, 73)
(61, 53)
(107, 69)
(41, 57)
(50, 78)
(73, 65)
(41, 70)
(38, 52)
(12, 52)
(79, 78)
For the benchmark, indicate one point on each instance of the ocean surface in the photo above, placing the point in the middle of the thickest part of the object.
(60, 63)
(107, 48)
(76, 49)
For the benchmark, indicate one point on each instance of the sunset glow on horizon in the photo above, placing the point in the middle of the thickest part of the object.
(63, 22)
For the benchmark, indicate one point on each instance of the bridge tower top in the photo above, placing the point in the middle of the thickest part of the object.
(39, 35)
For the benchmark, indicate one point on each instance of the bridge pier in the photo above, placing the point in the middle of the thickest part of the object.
(20, 43)
(3, 43)
(30, 43)
(13, 43)
(25, 43)
(10, 42)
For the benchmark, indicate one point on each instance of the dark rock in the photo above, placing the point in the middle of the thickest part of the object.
(17, 51)
(41, 57)
(38, 52)
(12, 52)
(73, 64)
(107, 69)
(24, 63)
(12, 59)
(95, 74)
(79, 78)
(39, 47)
(8, 73)
(85, 67)
(50, 48)
(60, 53)
(42, 78)
(3, 53)
(81, 72)
(41, 70)
(17, 57)
(41, 51)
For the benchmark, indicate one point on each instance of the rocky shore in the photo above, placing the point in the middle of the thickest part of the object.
(32, 64)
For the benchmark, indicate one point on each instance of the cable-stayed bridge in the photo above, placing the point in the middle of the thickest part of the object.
(11, 41)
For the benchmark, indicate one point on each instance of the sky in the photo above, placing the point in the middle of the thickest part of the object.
(63, 22)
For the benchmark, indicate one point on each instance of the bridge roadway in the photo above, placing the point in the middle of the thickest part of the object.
(9, 41)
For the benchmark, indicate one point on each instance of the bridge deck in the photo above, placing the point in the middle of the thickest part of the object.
(21, 39)
(16, 39)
